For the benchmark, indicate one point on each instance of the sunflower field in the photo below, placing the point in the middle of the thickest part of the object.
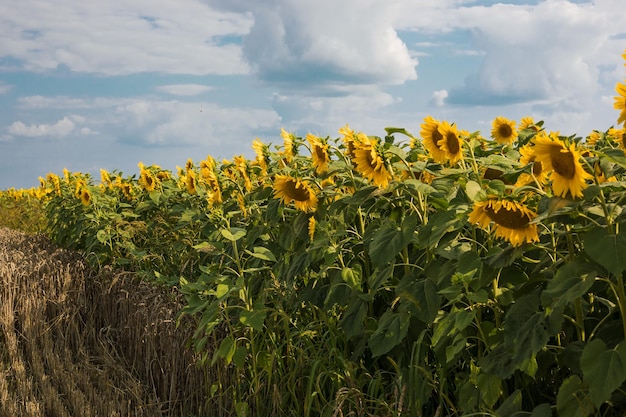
(438, 274)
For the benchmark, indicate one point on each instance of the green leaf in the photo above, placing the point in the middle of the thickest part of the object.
(571, 281)
(511, 406)
(473, 190)
(352, 277)
(233, 234)
(392, 328)
(102, 236)
(263, 253)
(424, 299)
(225, 351)
(604, 370)
(353, 318)
(572, 399)
(388, 240)
(542, 410)
(606, 249)
(254, 318)
(490, 387)
(438, 225)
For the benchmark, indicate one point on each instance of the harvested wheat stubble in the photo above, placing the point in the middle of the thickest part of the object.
(76, 343)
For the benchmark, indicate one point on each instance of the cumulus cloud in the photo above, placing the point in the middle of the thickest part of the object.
(185, 89)
(548, 52)
(5, 88)
(438, 98)
(324, 43)
(120, 37)
(60, 129)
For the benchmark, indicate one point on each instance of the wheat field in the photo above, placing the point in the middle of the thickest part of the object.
(77, 343)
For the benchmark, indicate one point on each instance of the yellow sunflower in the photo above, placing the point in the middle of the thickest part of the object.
(288, 150)
(370, 164)
(105, 178)
(511, 220)
(241, 165)
(291, 189)
(527, 157)
(56, 182)
(527, 122)
(503, 130)
(319, 153)
(311, 228)
(430, 138)
(84, 195)
(190, 182)
(350, 138)
(619, 136)
(451, 142)
(261, 151)
(147, 180)
(620, 102)
(568, 174)
(593, 138)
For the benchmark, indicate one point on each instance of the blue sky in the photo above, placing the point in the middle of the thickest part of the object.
(89, 84)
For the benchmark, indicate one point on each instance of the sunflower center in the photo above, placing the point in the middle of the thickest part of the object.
(453, 143)
(511, 219)
(437, 136)
(537, 168)
(319, 152)
(296, 191)
(505, 130)
(563, 162)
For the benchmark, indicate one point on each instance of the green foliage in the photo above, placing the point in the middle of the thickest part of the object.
(381, 299)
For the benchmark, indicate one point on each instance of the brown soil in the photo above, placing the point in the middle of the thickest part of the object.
(77, 343)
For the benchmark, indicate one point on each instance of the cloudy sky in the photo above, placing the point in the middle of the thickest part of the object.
(88, 84)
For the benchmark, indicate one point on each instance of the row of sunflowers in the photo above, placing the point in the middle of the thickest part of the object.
(440, 274)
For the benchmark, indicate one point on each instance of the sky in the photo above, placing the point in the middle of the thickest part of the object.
(87, 84)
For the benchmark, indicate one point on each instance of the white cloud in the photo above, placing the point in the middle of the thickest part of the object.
(120, 37)
(321, 42)
(438, 98)
(550, 51)
(185, 89)
(60, 129)
(5, 88)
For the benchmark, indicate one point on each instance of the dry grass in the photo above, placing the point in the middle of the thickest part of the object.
(76, 343)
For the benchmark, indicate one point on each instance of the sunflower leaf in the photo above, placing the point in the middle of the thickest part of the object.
(606, 249)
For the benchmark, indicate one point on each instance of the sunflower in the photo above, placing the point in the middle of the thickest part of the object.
(527, 122)
(190, 182)
(564, 160)
(209, 177)
(311, 228)
(430, 138)
(528, 157)
(619, 136)
(593, 138)
(147, 180)
(84, 195)
(105, 178)
(241, 165)
(370, 164)
(291, 189)
(451, 142)
(503, 130)
(350, 139)
(319, 153)
(512, 220)
(620, 102)
(261, 151)
(56, 182)
(288, 149)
